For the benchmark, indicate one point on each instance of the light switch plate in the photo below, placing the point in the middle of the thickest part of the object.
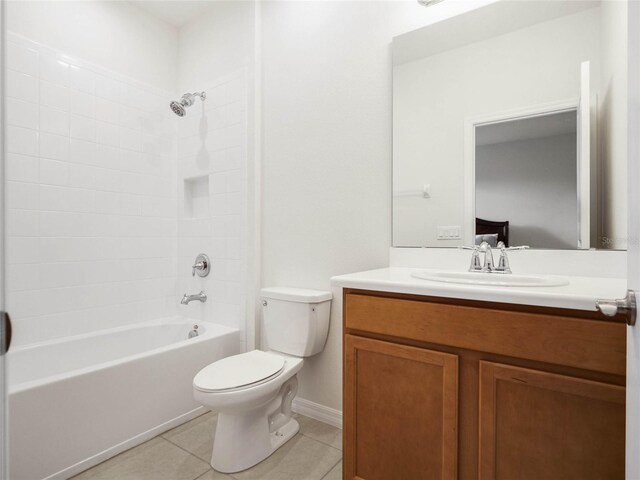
(452, 232)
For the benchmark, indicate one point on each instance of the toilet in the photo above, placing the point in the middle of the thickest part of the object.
(252, 392)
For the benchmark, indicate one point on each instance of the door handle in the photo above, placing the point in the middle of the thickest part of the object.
(6, 333)
(626, 305)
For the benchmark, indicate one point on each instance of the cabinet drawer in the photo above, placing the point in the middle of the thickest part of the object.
(558, 339)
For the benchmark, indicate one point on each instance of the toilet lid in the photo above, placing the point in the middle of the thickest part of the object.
(238, 371)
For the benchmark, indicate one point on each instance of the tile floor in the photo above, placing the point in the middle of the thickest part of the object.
(183, 453)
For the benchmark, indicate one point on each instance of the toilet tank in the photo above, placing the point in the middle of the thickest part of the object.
(296, 320)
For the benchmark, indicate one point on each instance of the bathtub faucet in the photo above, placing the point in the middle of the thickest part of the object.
(201, 297)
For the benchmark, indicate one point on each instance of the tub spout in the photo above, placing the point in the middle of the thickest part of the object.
(201, 297)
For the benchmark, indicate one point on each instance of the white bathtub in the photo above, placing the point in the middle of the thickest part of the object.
(76, 401)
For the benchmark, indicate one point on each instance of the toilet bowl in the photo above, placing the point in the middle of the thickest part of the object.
(253, 392)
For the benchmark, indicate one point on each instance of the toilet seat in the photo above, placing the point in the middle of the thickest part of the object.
(239, 371)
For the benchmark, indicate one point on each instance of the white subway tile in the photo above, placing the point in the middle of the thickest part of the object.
(55, 96)
(53, 120)
(22, 140)
(82, 103)
(66, 199)
(82, 79)
(108, 180)
(237, 158)
(107, 88)
(107, 202)
(61, 224)
(130, 139)
(20, 278)
(106, 156)
(235, 135)
(83, 128)
(21, 86)
(217, 96)
(22, 223)
(22, 195)
(55, 147)
(130, 204)
(218, 183)
(82, 152)
(21, 113)
(22, 250)
(61, 274)
(107, 134)
(22, 168)
(82, 176)
(106, 110)
(235, 181)
(236, 113)
(53, 172)
(54, 70)
(22, 59)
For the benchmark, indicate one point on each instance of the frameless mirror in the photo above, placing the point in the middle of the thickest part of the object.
(509, 125)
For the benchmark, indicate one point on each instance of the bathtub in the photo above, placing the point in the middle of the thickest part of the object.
(76, 401)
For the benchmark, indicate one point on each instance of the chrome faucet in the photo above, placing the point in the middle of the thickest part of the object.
(503, 261)
(488, 257)
(476, 265)
(488, 265)
(186, 299)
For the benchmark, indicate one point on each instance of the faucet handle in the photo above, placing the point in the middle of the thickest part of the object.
(521, 247)
(475, 265)
(202, 266)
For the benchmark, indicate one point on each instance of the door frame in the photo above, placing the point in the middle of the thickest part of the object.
(470, 125)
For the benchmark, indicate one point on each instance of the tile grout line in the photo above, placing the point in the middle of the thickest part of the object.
(329, 471)
(320, 441)
(188, 452)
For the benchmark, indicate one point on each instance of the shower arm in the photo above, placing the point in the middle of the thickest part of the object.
(202, 95)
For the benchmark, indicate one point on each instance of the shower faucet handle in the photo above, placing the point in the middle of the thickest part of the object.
(202, 266)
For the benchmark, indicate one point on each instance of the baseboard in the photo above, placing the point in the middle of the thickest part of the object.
(318, 412)
(126, 445)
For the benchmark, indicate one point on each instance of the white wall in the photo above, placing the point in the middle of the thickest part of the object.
(326, 115)
(91, 196)
(216, 55)
(113, 34)
(434, 96)
(532, 184)
(612, 131)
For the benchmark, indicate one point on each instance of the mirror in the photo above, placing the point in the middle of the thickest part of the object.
(509, 124)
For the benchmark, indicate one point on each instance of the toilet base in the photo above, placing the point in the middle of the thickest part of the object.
(245, 437)
(228, 458)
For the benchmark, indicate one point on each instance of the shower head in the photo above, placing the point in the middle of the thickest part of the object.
(179, 107)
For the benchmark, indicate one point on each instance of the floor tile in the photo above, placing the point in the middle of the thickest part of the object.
(195, 436)
(213, 475)
(156, 459)
(301, 458)
(320, 431)
(335, 473)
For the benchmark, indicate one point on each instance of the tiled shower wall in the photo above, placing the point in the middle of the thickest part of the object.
(91, 196)
(212, 207)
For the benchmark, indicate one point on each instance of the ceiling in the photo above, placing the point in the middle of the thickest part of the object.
(527, 128)
(174, 12)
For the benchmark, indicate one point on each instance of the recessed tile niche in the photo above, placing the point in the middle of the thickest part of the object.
(196, 197)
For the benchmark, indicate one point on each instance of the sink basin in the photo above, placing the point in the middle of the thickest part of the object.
(493, 279)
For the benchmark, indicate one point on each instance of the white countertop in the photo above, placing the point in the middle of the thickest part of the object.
(580, 294)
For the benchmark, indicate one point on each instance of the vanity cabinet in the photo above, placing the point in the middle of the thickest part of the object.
(438, 388)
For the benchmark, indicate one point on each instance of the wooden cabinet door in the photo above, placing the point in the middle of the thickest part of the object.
(537, 425)
(400, 412)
